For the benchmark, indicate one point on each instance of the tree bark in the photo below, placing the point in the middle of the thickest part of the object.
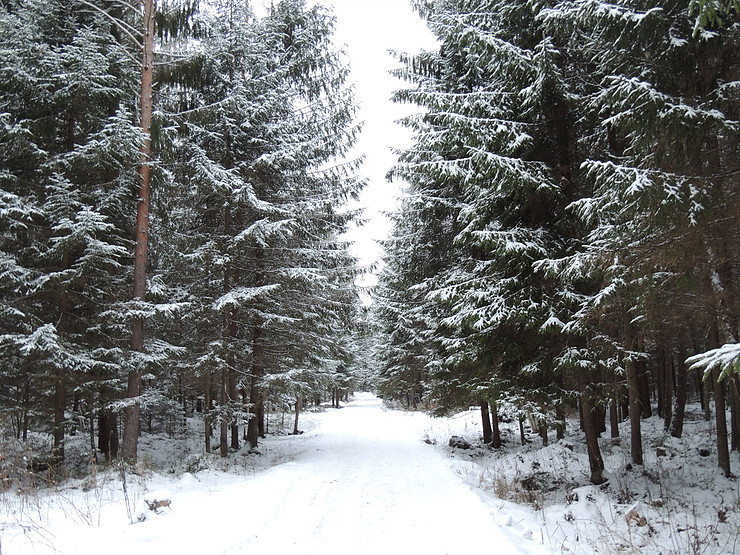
(543, 432)
(207, 410)
(223, 437)
(261, 414)
(682, 384)
(522, 435)
(108, 434)
(644, 385)
(60, 401)
(633, 385)
(613, 419)
(560, 422)
(613, 406)
(233, 397)
(131, 427)
(668, 387)
(486, 422)
(496, 432)
(253, 426)
(734, 417)
(720, 415)
(595, 462)
(298, 403)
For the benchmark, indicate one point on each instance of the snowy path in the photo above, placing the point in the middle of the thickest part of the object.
(362, 482)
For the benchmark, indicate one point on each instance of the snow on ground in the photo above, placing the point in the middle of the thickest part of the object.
(360, 480)
(676, 503)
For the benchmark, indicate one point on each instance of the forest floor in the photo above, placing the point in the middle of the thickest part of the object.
(361, 480)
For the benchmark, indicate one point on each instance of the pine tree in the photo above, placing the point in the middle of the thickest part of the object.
(264, 115)
(67, 146)
(665, 134)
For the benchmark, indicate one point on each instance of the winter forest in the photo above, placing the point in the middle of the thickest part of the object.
(174, 188)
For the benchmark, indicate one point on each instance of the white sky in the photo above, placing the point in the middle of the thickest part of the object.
(369, 29)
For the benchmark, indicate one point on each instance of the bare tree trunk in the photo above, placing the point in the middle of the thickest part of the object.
(131, 426)
(522, 435)
(613, 419)
(734, 417)
(224, 389)
(496, 435)
(596, 463)
(682, 385)
(261, 414)
(233, 398)
(207, 414)
(720, 414)
(543, 432)
(486, 421)
(560, 422)
(667, 362)
(298, 403)
(707, 392)
(644, 384)
(223, 438)
(108, 434)
(633, 385)
(613, 408)
(254, 426)
(60, 401)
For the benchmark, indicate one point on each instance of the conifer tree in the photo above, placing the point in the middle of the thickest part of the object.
(68, 142)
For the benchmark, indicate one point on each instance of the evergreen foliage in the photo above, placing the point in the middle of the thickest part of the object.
(583, 159)
(248, 285)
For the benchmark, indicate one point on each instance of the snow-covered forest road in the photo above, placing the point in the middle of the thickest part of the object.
(367, 484)
(359, 481)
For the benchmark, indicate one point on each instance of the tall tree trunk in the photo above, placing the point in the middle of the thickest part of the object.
(560, 422)
(720, 415)
(735, 388)
(60, 401)
(522, 435)
(261, 414)
(253, 426)
(613, 406)
(706, 394)
(682, 385)
(613, 419)
(60, 378)
(633, 386)
(600, 419)
(643, 377)
(298, 405)
(734, 416)
(668, 387)
(131, 426)
(486, 422)
(207, 410)
(496, 431)
(233, 398)
(223, 437)
(91, 429)
(660, 375)
(108, 434)
(595, 462)
(543, 432)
